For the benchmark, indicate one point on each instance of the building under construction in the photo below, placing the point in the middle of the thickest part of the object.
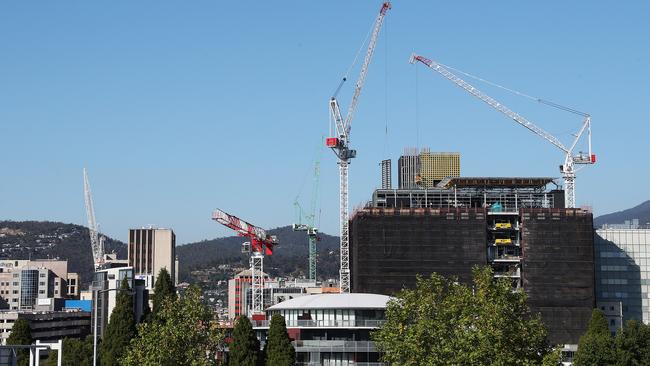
(517, 225)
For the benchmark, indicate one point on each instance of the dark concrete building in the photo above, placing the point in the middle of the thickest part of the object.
(390, 246)
(516, 225)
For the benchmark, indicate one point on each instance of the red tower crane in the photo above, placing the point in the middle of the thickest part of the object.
(260, 244)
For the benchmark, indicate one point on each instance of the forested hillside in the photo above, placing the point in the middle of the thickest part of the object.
(54, 240)
(289, 257)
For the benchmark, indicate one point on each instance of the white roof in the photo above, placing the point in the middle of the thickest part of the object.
(334, 301)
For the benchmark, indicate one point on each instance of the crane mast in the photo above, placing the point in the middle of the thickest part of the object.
(340, 146)
(309, 226)
(96, 239)
(260, 244)
(568, 168)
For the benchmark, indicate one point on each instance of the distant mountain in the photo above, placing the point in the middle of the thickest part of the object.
(641, 212)
(53, 240)
(290, 257)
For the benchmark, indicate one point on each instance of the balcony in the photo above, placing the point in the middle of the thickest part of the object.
(335, 346)
(348, 324)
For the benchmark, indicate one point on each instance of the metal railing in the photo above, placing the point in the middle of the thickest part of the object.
(334, 346)
(350, 363)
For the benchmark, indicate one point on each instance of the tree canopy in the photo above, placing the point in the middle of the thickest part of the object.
(120, 328)
(279, 351)
(633, 344)
(164, 290)
(596, 346)
(21, 334)
(182, 334)
(245, 348)
(76, 352)
(444, 322)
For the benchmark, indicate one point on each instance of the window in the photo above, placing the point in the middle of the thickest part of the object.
(42, 275)
(612, 322)
(41, 292)
(41, 283)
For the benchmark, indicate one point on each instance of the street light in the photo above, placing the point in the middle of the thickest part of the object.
(97, 291)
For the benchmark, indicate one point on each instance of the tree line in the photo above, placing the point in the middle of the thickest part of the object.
(443, 322)
(439, 322)
(177, 331)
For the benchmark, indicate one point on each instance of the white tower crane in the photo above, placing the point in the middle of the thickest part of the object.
(340, 146)
(570, 160)
(96, 239)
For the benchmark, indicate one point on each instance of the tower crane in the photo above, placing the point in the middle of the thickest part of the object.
(96, 239)
(309, 226)
(571, 159)
(341, 147)
(260, 244)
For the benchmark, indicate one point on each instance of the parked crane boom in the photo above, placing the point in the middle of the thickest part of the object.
(96, 239)
(568, 168)
(260, 244)
(340, 146)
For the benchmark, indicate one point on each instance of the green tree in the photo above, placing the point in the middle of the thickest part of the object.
(596, 346)
(21, 334)
(553, 358)
(183, 334)
(245, 348)
(278, 350)
(76, 352)
(120, 329)
(444, 322)
(163, 290)
(633, 344)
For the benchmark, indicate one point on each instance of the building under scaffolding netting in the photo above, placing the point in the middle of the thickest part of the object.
(518, 226)
(505, 194)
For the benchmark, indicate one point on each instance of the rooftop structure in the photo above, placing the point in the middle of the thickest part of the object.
(334, 301)
(510, 194)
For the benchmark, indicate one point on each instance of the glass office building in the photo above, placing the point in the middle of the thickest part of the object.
(623, 270)
(28, 288)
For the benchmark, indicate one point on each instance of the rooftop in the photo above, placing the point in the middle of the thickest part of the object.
(509, 182)
(334, 301)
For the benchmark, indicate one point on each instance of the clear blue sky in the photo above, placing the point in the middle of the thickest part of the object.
(177, 108)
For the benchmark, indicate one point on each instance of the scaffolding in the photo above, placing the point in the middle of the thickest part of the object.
(494, 194)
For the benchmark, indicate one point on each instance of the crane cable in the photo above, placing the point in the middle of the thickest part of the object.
(354, 62)
(521, 94)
